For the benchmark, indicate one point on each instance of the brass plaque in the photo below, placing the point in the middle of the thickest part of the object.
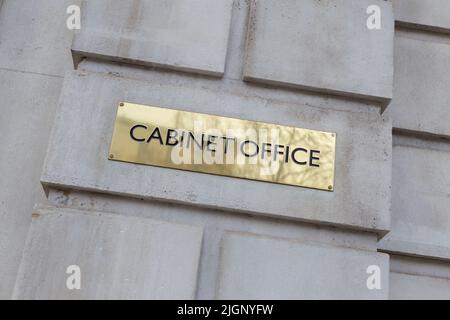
(224, 146)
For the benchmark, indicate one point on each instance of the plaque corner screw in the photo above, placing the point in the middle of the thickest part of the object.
(330, 187)
(122, 104)
(111, 156)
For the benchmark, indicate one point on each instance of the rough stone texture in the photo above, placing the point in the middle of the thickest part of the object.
(214, 223)
(420, 198)
(78, 156)
(429, 15)
(419, 266)
(119, 257)
(34, 51)
(413, 278)
(256, 267)
(34, 37)
(185, 35)
(421, 86)
(322, 46)
(25, 123)
(412, 287)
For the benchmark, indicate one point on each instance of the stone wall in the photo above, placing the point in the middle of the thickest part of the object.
(34, 54)
(421, 151)
(149, 232)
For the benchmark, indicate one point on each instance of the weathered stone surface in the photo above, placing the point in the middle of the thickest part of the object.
(28, 103)
(418, 278)
(421, 86)
(214, 224)
(420, 199)
(430, 14)
(257, 267)
(322, 46)
(119, 257)
(177, 34)
(34, 36)
(34, 52)
(78, 156)
(413, 287)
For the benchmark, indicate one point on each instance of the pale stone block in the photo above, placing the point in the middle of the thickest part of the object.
(34, 52)
(420, 199)
(214, 224)
(119, 257)
(416, 287)
(177, 34)
(34, 36)
(257, 267)
(28, 103)
(418, 278)
(78, 156)
(420, 266)
(322, 46)
(429, 14)
(422, 81)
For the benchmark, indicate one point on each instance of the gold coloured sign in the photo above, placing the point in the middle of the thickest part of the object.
(223, 146)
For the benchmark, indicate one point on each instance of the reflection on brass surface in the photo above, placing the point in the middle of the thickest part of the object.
(224, 146)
